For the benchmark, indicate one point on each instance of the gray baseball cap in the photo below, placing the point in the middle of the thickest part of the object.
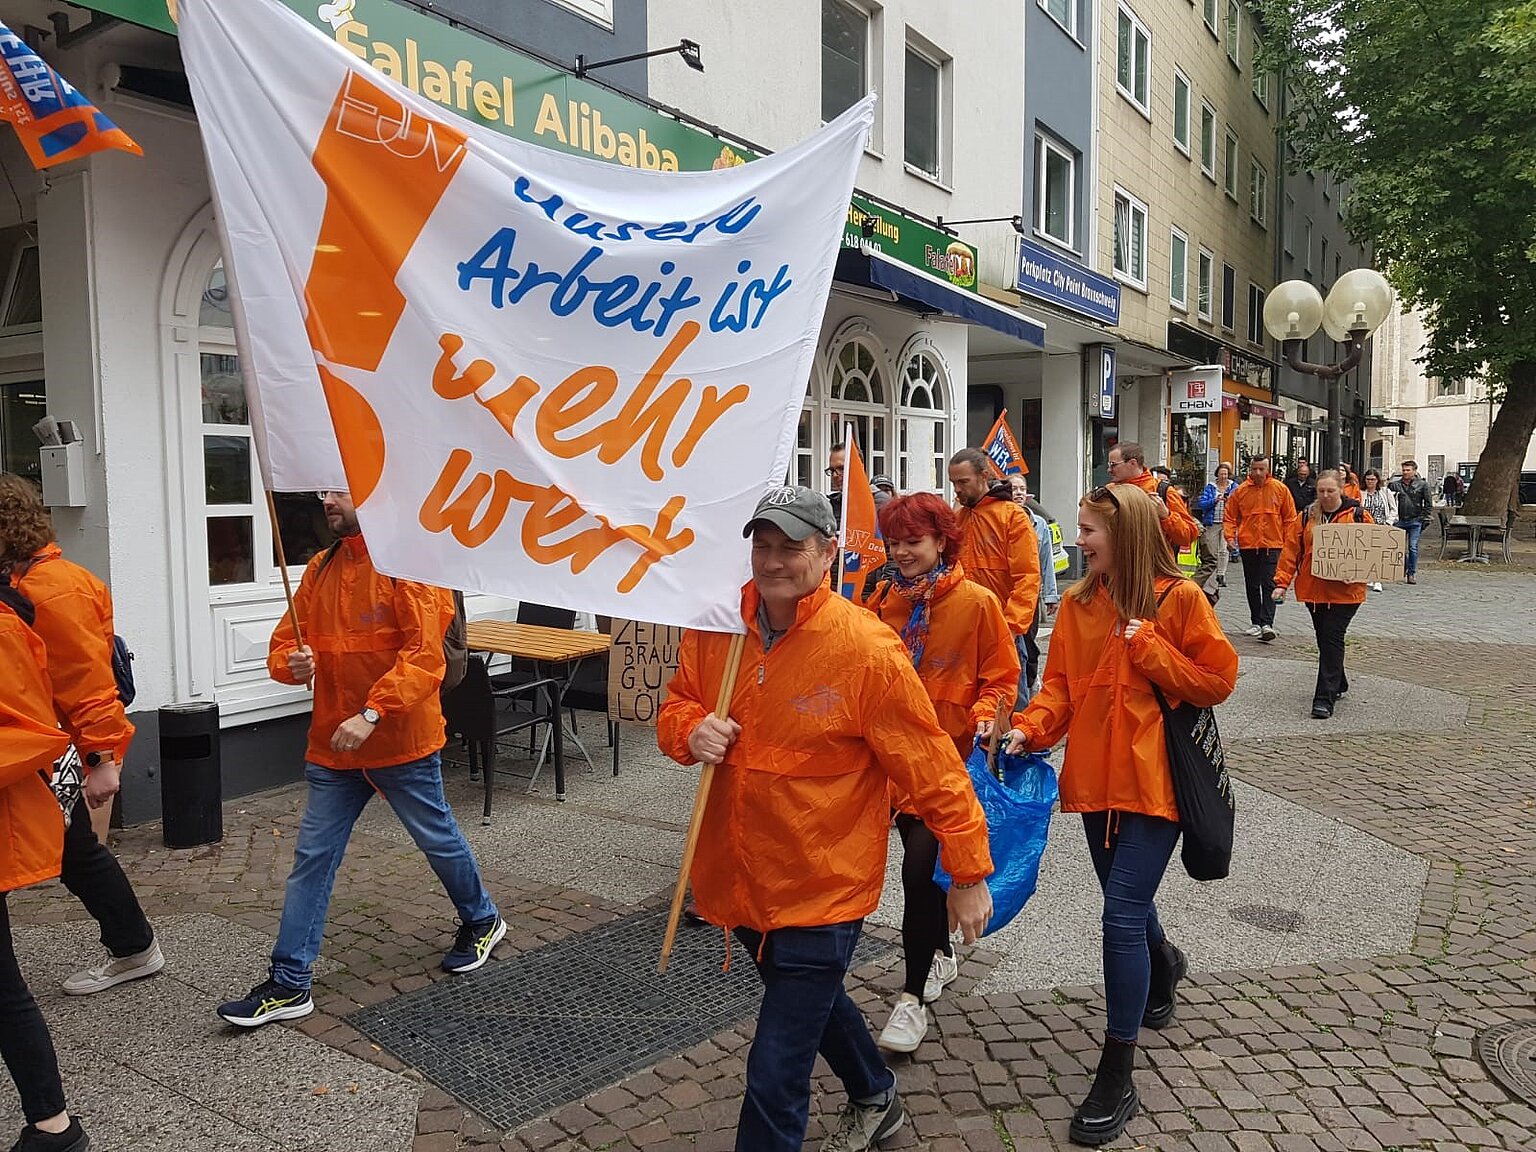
(795, 511)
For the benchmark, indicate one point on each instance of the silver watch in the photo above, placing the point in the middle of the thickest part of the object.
(371, 715)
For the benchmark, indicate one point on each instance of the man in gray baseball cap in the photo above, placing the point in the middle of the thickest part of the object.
(795, 511)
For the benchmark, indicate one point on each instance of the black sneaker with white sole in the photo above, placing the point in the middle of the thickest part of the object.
(472, 946)
(268, 1001)
(72, 1139)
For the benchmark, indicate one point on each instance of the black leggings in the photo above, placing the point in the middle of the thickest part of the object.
(24, 1041)
(925, 907)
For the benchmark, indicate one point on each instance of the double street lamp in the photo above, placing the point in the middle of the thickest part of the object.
(1356, 306)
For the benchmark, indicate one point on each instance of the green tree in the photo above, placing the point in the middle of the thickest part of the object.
(1428, 109)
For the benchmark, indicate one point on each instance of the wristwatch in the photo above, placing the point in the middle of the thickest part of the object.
(371, 715)
(93, 759)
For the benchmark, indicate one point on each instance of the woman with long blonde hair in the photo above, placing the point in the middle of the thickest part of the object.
(1131, 623)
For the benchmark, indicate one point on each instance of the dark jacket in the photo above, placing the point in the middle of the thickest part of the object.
(1414, 501)
(1303, 492)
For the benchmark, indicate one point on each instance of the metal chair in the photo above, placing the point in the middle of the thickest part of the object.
(1447, 529)
(470, 711)
(588, 691)
(1500, 536)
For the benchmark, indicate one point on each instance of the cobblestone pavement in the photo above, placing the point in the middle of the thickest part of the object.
(1362, 1054)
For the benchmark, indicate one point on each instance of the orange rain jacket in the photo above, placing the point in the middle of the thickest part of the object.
(1296, 561)
(999, 550)
(1260, 515)
(1097, 692)
(796, 826)
(970, 663)
(1180, 528)
(74, 622)
(378, 643)
(31, 825)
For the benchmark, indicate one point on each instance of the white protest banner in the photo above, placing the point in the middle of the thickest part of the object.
(549, 377)
(1358, 553)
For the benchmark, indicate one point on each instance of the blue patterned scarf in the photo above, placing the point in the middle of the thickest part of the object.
(919, 590)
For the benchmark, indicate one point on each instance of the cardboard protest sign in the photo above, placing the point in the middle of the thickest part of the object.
(1358, 553)
(640, 664)
(541, 375)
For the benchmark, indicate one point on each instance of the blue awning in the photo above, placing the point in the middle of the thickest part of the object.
(933, 294)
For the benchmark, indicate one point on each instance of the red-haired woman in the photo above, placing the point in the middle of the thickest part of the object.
(965, 657)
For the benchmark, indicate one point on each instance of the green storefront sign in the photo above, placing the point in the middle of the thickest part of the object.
(528, 99)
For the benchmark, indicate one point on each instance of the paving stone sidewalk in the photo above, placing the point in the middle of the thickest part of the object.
(1361, 1054)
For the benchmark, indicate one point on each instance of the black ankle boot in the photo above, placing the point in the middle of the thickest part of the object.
(1111, 1101)
(1168, 968)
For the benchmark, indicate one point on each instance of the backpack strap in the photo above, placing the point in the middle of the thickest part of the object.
(330, 554)
(18, 603)
(1162, 490)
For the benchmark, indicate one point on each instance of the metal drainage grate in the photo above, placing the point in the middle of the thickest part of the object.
(1508, 1051)
(524, 1036)
(1267, 917)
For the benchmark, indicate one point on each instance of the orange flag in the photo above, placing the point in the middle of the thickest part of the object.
(1002, 449)
(863, 546)
(54, 121)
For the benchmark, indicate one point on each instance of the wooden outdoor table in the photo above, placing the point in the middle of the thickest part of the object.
(1474, 526)
(559, 651)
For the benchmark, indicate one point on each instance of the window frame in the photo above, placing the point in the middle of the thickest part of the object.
(1232, 152)
(1228, 299)
(1189, 97)
(1205, 285)
(1044, 144)
(1208, 169)
(1258, 193)
(599, 12)
(1144, 104)
(1307, 233)
(868, 19)
(1288, 225)
(1260, 75)
(1255, 315)
(1210, 16)
(1133, 204)
(1233, 38)
(940, 152)
(1069, 26)
(1177, 235)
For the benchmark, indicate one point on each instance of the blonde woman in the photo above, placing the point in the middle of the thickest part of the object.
(1132, 623)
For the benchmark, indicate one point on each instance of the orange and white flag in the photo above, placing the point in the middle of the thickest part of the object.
(863, 546)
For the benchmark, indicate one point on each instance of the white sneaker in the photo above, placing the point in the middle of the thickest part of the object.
(1267, 633)
(907, 1026)
(116, 970)
(941, 973)
(1252, 630)
(1376, 586)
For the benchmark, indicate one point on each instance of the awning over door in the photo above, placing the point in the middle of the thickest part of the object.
(929, 293)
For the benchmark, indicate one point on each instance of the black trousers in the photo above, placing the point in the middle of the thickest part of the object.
(1259, 579)
(24, 1041)
(925, 907)
(1030, 665)
(1330, 622)
(96, 879)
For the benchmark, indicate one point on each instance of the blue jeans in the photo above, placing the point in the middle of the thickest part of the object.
(1029, 664)
(805, 1010)
(336, 800)
(1130, 854)
(1415, 529)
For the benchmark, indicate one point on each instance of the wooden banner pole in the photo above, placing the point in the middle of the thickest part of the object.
(700, 800)
(282, 566)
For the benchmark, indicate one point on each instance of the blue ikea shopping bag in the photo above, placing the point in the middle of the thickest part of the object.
(1018, 811)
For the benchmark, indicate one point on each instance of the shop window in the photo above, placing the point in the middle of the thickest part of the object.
(22, 404)
(1130, 239)
(923, 116)
(923, 455)
(845, 37)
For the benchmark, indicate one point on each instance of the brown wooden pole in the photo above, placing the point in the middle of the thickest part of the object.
(700, 800)
(282, 566)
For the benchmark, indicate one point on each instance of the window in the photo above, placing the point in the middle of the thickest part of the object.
(1322, 260)
(1181, 112)
(844, 57)
(1260, 75)
(1338, 266)
(1234, 32)
(1306, 242)
(1208, 140)
(1258, 194)
(1056, 191)
(1209, 15)
(1064, 12)
(1444, 387)
(1130, 239)
(1255, 314)
(1327, 185)
(857, 395)
(922, 454)
(1229, 178)
(921, 148)
(598, 11)
(1133, 60)
(21, 292)
(1288, 224)
(22, 404)
(1228, 297)
(1203, 283)
(1178, 269)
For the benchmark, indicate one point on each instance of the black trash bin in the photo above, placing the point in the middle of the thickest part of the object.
(191, 790)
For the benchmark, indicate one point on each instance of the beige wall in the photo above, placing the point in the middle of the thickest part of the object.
(1139, 155)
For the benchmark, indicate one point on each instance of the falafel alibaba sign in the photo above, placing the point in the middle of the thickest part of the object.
(539, 374)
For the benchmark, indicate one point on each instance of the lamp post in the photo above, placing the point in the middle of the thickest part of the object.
(1356, 306)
